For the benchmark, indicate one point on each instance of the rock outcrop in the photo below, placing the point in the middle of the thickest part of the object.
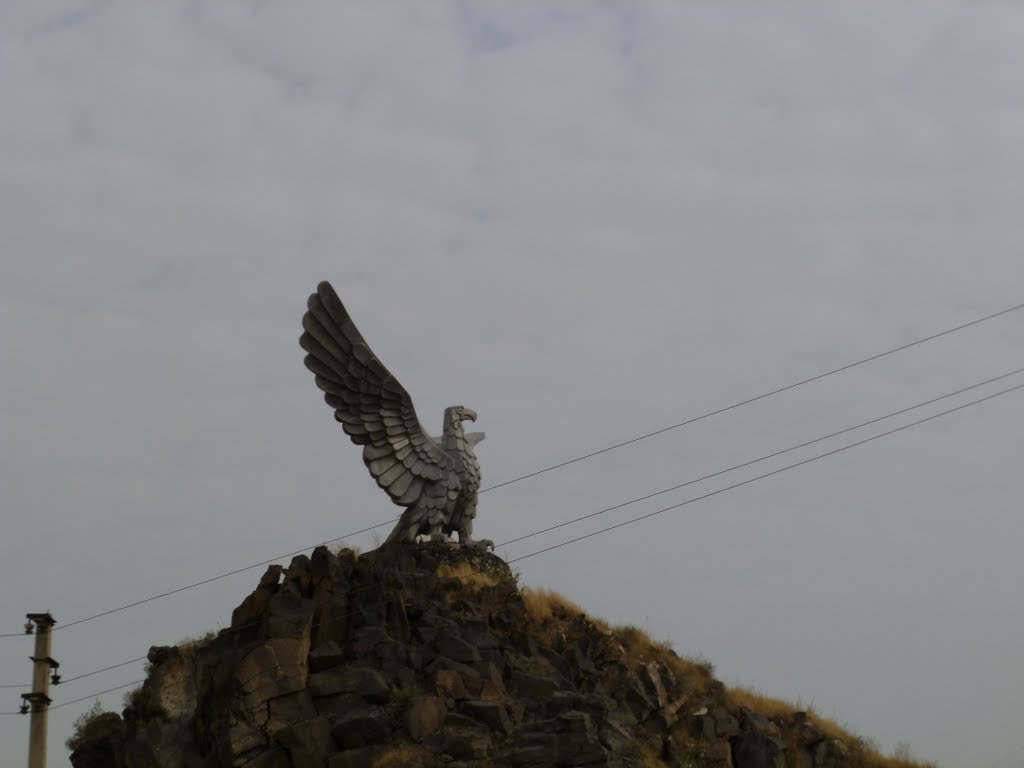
(431, 655)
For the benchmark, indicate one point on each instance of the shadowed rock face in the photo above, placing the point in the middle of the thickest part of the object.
(341, 661)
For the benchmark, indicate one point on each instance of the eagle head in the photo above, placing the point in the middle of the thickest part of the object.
(457, 413)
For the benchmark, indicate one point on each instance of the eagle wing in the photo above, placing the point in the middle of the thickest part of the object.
(373, 407)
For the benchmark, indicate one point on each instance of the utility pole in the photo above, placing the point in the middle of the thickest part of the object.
(39, 700)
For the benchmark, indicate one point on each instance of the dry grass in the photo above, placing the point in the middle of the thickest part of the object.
(549, 612)
(547, 609)
(194, 643)
(772, 707)
(545, 604)
(878, 760)
(406, 756)
(648, 758)
(468, 575)
(641, 648)
(775, 708)
(342, 545)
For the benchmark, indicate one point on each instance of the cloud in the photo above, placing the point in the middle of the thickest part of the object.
(584, 222)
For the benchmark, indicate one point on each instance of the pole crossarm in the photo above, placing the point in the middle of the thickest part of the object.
(37, 700)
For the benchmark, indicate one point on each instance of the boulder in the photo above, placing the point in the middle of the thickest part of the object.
(491, 713)
(424, 717)
(365, 681)
(362, 727)
(309, 743)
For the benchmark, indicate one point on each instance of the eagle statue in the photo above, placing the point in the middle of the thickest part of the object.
(435, 479)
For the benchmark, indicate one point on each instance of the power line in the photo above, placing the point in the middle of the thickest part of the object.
(755, 399)
(106, 669)
(762, 458)
(666, 490)
(224, 575)
(553, 467)
(225, 631)
(638, 499)
(94, 695)
(833, 452)
(228, 630)
(636, 519)
(767, 474)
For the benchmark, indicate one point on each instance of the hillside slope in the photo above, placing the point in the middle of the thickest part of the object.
(431, 655)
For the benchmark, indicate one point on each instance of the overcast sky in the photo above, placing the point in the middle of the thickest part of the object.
(584, 221)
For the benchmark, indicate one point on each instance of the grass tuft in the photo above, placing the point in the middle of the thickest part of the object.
(640, 648)
(649, 758)
(406, 756)
(194, 643)
(343, 546)
(468, 575)
(545, 604)
(771, 707)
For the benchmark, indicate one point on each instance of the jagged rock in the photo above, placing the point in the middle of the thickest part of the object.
(448, 684)
(254, 607)
(719, 754)
(274, 758)
(565, 701)
(534, 687)
(471, 680)
(364, 757)
(362, 727)
(174, 674)
(290, 709)
(527, 756)
(617, 739)
(288, 616)
(271, 669)
(466, 743)
(366, 639)
(491, 686)
(309, 743)
(650, 677)
(459, 720)
(491, 713)
(236, 740)
(726, 726)
(576, 742)
(425, 717)
(455, 648)
(103, 744)
(379, 662)
(339, 703)
(367, 682)
(325, 656)
(760, 744)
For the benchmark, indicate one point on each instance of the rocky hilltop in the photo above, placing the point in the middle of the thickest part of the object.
(431, 655)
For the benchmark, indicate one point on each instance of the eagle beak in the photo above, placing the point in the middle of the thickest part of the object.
(468, 414)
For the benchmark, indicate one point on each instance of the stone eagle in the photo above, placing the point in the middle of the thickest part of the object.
(435, 479)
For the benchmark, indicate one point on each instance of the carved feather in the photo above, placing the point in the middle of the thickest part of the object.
(373, 408)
